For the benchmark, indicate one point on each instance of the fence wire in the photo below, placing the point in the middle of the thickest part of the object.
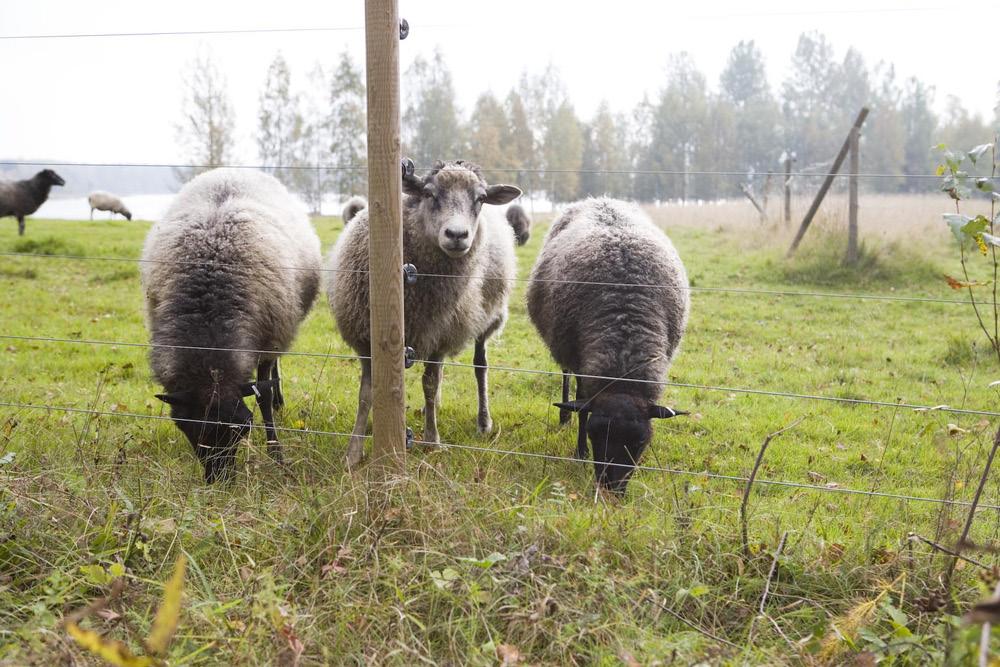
(534, 371)
(536, 455)
(418, 274)
(511, 170)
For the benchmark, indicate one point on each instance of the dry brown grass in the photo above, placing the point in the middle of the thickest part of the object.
(882, 217)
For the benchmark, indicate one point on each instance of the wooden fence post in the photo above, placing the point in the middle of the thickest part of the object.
(789, 158)
(827, 182)
(385, 246)
(852, 198)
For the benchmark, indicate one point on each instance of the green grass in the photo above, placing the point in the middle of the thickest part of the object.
(477, 551)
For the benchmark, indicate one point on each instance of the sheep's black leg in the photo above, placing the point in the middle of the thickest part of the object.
(485, 422)
(432, 391)
(279, 396)
(91, 212)
(265, 399)
(565, 415)
(356, 446)
(20, 225)
(581, 436)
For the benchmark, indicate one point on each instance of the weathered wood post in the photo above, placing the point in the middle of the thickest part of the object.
(852, 197)
(385, 246)
(789, 159)
(827, 182)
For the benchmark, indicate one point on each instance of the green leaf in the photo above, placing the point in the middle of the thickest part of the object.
(984, 185)
(978, 151)
(956, 221)
(487, 562)
(977, 225)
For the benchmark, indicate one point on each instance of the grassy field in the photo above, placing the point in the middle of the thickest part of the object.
(483, 558)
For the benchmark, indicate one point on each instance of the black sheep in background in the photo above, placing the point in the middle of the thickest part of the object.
(21, 198)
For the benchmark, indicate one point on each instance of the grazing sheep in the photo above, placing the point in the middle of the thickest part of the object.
(105, 201)
(353, 206)
(234, 265)
(22, 198)
(613, 330)
(447, 233)
(518, 219)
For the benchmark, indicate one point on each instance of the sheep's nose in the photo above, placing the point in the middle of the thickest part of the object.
(456, 235)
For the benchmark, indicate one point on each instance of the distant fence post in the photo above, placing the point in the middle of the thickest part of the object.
(852, 198)
(385, 247)
(827, 182)
(789, 158)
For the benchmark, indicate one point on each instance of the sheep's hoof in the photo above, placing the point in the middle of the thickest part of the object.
(485, 424)
(274, 450)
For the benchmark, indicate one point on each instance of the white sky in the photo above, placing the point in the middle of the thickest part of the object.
(117, 99)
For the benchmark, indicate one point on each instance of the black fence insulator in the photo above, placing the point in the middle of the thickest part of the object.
(407, 166)
(409, 274)
(409, 438)
(409, 357)
(404, 29)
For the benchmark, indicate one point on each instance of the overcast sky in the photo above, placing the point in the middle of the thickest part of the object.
(108, 99)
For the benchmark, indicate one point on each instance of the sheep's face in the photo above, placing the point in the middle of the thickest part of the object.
(450, 199)
(214, 425)
(51, 177)
(619, 428)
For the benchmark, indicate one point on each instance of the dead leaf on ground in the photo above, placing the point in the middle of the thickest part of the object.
(508, 654)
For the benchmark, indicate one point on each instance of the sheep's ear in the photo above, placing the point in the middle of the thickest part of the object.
(662, 412)
(501, 194)
(177, 398)
(573, 406)
(413, 186)
(253, 388)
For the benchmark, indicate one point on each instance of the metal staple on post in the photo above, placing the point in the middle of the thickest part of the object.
(382, 35)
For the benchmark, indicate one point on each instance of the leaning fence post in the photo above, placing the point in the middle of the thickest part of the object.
(385, 245)
(852, 198)
(827, 182)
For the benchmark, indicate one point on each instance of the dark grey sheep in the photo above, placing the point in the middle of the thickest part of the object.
(105, 201)
(22, 198)
(234, 265)
(448, 233)
(615, 330)
(518, 219)
(353, 206)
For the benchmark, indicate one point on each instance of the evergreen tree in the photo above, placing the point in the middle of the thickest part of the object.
(488, 145)
(605, 159)
(345, 129)
(207, 129)
(520, 143)
(678, 131)
(919, 124)
(808, 101)
(431, 120)
(746, 114)
(563, 154)
(279, 122)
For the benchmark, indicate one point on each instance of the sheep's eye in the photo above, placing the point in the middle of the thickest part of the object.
(480, 198)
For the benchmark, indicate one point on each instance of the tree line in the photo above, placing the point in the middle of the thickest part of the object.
(533, 136)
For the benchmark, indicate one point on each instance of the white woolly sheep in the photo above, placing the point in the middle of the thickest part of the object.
(22, 198)
(105, 201)
(353, 206)
(446, 233)
(232, 268)
(613, 329)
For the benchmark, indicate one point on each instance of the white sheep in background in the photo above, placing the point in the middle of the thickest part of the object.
(447, 233)
(234, 265)
(105, 201)
(610, 298)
